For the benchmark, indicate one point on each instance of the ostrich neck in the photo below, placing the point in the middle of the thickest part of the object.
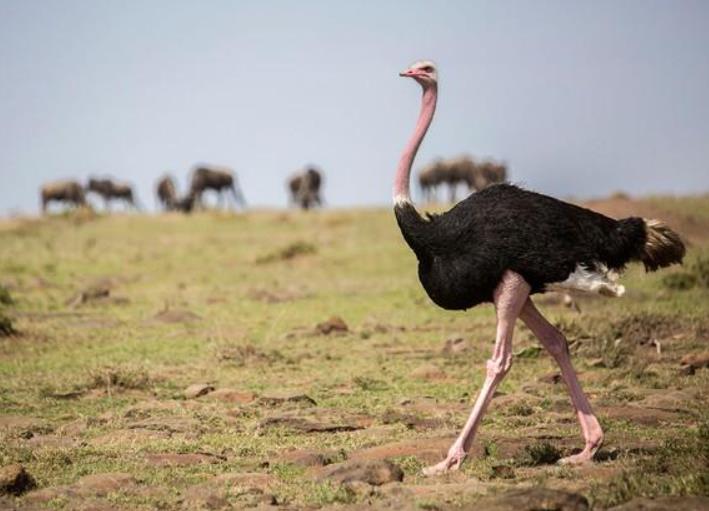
(403, 171)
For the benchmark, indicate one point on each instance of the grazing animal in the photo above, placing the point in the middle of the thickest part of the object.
(456, 171)
(111, 190)
(504, 244)
(304, 188)
(484, 174)
(430, 177)
(70, 192)
(219, 179)
(184, 204)
(166, 192)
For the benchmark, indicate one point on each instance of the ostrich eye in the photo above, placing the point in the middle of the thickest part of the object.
(428, 69)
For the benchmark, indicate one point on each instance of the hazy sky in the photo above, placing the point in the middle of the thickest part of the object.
(579, 98)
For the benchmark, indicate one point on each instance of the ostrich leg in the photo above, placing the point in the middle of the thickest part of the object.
(555, 343)
(510, 296)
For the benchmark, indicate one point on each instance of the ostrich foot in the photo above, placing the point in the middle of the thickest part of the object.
(453, 460)
(584, 456)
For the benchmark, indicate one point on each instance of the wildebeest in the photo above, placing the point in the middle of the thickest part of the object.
(166, 192)
(110, 190)
(68, 191)
(219, 179)
(453, 172)
(304, 188)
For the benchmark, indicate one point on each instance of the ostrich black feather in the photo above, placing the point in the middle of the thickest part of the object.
(464, 252)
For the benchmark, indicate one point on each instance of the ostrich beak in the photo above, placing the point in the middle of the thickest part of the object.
(408, 73)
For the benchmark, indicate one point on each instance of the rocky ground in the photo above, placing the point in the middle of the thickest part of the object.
(291, 360)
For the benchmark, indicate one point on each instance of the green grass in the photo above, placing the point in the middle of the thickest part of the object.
(243, 295)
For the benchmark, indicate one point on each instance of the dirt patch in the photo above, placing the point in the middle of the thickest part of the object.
(374, 473)
(287, 253)
(317, 421)
(411, 421)
(334, 325)
(169, 424)
(181, 460)
(247, 354)
(98, 293)
(456, 346)
(115, 378)
(129, 437)
(95, 485)
(638, 415)
(429, 450)
(232, 396)
(532, 499)
(197, 389)
(688, 503)
(428, 372)
(21, 425)
(312, 457)
(172, 316)
(641, 328)
(276, 295)
(286, 398)
(248, 489)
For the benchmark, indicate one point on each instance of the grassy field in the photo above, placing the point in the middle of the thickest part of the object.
(313, 350)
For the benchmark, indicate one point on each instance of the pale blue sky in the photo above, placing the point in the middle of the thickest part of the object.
(580, 98)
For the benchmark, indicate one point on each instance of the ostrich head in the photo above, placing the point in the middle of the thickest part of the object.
(423, 71)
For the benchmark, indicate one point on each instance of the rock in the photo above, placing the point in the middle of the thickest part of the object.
(333, 325)
(172, 459)
(456, 346)
(428, 450)
(316, 423)
(375, 473)
(687, 503)
(232, 396)
(198, 389)
(694, 361)
(428, 372)
(532, 499)
(14, 480)
(103, 484)
(286, 397)
(313, 457)
(250, 491)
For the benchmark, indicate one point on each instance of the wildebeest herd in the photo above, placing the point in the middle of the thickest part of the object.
(463, 170)
(303, 187)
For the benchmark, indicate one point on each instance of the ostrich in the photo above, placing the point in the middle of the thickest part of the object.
(502, 245)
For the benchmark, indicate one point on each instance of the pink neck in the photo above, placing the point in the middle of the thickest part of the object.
(403, 171)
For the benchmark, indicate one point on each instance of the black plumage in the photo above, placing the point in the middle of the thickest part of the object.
(464, 252)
